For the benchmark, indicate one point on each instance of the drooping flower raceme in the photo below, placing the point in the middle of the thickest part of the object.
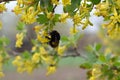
(19, 39)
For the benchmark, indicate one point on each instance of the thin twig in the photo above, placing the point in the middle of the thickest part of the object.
(72, 55)
(77, 54)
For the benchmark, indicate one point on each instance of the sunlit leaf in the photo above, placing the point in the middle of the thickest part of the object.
(71, 9)
(20, 26)
(26, 55)
(98, 47)
(42, 19)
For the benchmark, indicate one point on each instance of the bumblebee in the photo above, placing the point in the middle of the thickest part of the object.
(54, 39)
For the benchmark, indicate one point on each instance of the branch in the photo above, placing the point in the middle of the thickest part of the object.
(77, 54)
(72, 55)
(6, 0)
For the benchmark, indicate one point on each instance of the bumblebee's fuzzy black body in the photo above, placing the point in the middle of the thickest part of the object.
(54, 40)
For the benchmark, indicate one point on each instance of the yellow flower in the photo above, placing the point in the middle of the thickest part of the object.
(96, 72)
(86, 23)
(2, 7)
(17, 62)
(29, 66)
(92, 78)
(20, 69)
(28, 2)
(39, 8)
(73, 30)
(37, 28)
(42, 39)
(17, 10)
(113, 26)
(49, 15)
(0, 25)
(19, 2)
(55, 2)
(18, 58)
(77, 19)
(44, 56)
(42, 36)
(1, 74)
(29, 16)
(48, 59)
(63, 17)
(103, 6)
(19, 41)
(42, 50)
(34, 48)
(102, 9)
(51, 69)
(66, 2)
(36, 58)
(24, 65)
(115, 18)
(61, 50)
(117, 2)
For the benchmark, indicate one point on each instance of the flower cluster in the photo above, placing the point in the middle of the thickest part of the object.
(66, 2)
(29, 64)
(96, 73)
(2, 7)
(28, 13)
(81, 18)
(19, 40)
(23, 65)
(110, 11)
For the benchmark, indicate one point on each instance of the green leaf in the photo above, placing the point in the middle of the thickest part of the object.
(20, 26)
(50, 7)
(108, 57)
(46, 4)
(56, 17)
(117, 63)
(42, 19)
(71, 8)
(26, 55)
(102, 58)
(89, 48)
(64, 38)
(86, 65)
(91, 57)
(76, 2)
(98, 47)
(77, 36)
(4, 54)
(4, 41)
(95, 1)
